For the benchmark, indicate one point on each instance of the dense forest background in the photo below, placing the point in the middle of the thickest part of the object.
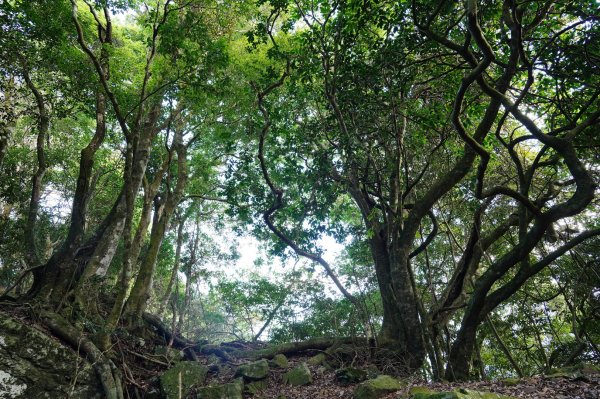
(421, 175)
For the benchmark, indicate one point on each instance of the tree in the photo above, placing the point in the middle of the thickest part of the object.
(450, 148)
(404, 106)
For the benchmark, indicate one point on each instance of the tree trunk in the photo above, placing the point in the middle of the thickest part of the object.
(164, 210)
(33, 258)
(401, 329)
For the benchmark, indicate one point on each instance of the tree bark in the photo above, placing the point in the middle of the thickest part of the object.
(163, 211)
(32, 253)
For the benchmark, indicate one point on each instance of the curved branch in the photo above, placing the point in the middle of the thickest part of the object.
(502, 293)
(492, 192)
(99, 69)
(432, 234)
(278, 192)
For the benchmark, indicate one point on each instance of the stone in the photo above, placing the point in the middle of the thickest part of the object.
(192, 374)
(169, 353)
(253, 371)
(255, 387)
(413, 391)
(299, 376)
(350, 375)
(579, 371)
(232, 390)
(510, 382)
(425, 393)
(280, 361)
(317, 359)
(372, 371)
(377, 387)
(34, 365)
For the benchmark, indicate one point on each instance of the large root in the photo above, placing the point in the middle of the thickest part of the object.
(105, 369)
(292, 348)
(230, 352)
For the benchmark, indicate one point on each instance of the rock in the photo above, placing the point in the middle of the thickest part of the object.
(350, 375)
(34, 365)
(253, 371)
(299, 376)
(280, 361)
(510, 382)
(192, 374)
(317, 359)
(372, 371)
(415, 391)
(469, 394)
(169, 353)
(255, 387)
(425, 393)
(376, 388)
(233, 390)
(579, 371)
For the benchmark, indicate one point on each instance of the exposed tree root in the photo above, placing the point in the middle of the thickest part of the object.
(105, 369)
(292, 348)
(229, 352)
(190, 348)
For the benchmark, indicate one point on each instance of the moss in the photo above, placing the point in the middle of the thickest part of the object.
(350, 375)
(377, 387)
(317, 359)
(255, 387)
(192, 374)
(232, 390)
(510, 382)
(577, 371)
(253, 371)
(299, 376)
(280, 361)
(426, 393)
(43, 367)
(169, 353)
(419, 390)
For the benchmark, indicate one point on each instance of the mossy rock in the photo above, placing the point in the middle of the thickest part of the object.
(581, 370)
(419, 391)
(34, 365)
(510, 382)
(377, 387)
(426, 393)
(169, 353)
(317, 359)
(192, 374)
(253, 371)
(469, 394)
(233, 390)
(372, 371)
(299, 376)
(279, 361)
(350, 375)
(255, 387)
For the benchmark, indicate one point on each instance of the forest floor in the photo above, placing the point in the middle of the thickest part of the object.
(141, 368)
(324, 386)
